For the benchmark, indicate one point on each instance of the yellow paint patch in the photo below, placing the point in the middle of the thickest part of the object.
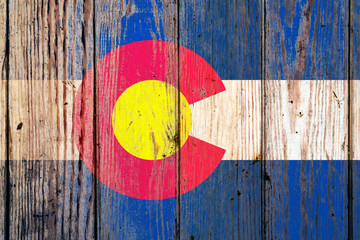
(146, 123)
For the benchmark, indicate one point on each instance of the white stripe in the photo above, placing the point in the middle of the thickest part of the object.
(231, 119)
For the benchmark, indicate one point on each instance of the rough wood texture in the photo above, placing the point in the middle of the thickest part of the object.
(303, 61)
(3, 157)
(3, 109)
(227, 35)
(305, 120)
(50, 42)
(297, 119)
(355, 117)
(118, 23)
(239, 121)
(355, 145)
(3, 10)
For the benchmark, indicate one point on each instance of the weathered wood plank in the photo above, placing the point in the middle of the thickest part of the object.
(51, 190)
(355, 117)
(3, 109)
(355, 142)
(3, 10)
(119, 23)
(227, 35)
(298, 116)
(231, 119)
(3, 157)
(306, 118)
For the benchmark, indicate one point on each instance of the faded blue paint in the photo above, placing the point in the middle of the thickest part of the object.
(210, 211)
(326, 51)
(227, 35)
(218, 37)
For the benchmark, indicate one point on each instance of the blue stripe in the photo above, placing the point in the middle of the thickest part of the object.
(222, 37)
(311, 203)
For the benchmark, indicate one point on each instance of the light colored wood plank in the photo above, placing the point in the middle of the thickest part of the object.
(231, 119)
(355, 121)
(3, 9)
(306, 120)
(41, 120)
(50, 43)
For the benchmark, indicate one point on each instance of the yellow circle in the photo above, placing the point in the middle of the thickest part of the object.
(146, 120)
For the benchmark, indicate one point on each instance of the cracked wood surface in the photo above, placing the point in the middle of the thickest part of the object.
(50, 42)
(303, 109)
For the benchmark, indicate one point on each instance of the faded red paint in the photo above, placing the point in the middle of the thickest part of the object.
(117, 71)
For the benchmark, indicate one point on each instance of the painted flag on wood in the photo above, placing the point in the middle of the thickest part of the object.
(228, 84)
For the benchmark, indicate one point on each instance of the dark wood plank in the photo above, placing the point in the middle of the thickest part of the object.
(227, 34)
(51, 190)
(306, 118)
(3, 156)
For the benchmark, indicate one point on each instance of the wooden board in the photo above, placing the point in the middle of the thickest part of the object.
(50, 43)
(227, 35)
(304, 109)
(240, 121)
(3, 119)
(120, 23)
(3, 157)
(354, 175)
(305, 118)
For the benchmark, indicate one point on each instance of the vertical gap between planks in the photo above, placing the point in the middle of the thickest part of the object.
(178, 177)
(263, 101)
(7, 128)
(95, 126)
(350, 155)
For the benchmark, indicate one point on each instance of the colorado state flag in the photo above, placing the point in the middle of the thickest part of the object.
(200, 119)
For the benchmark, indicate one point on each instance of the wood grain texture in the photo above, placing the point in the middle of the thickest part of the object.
(118, 23)
(306, 114)
(50, 44)
(3, 119)
(237, 113)
(305, 118)
(298, 119)
(355, 116)
(227, 35)
(355, 145)
(3, 10)
(3, 156)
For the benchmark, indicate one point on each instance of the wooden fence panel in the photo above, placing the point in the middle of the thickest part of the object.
(227, 35)
(51, 191)
(3, 157)
(305, 118)
(354, 189)
(301, 118)
(119, 23)
(3, 103)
